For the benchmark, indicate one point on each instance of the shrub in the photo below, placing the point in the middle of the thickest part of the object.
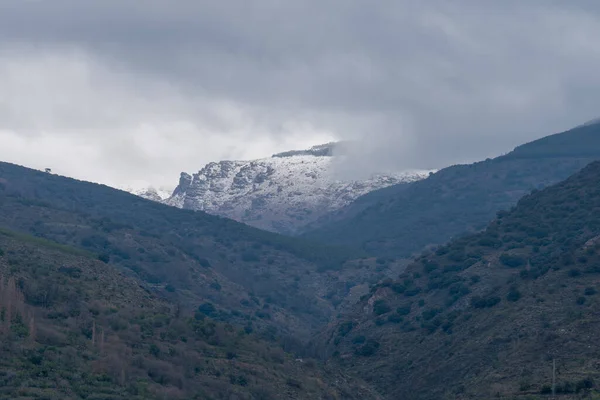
(590, 291)
(368, 349)
(512, 261)
(207, 309)
(430, 314)
(580, 300)
(405, 310)
(395, 318)
(345, 328)
(381, 307)
(359, 339)
(513, 294)
(204, 262)
(484, 302)
(546, 389)
(574, 272)
(170, 288)
(398, 287)
(154, 350)
(412, 292)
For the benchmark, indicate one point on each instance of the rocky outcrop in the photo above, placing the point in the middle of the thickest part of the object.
(282, 193)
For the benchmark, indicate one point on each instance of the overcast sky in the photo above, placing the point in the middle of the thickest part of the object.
(122, 91)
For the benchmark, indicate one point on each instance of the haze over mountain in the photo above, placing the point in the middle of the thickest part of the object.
(126, 92)
(401, 220)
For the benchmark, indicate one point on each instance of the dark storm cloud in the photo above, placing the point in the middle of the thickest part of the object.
(416, 83)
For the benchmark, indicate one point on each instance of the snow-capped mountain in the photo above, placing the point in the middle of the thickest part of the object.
(148, 192)
(281, 193)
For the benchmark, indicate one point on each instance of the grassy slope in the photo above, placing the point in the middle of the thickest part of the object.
(485, 315)
(83, 330)
(400, 221)
(279, 284)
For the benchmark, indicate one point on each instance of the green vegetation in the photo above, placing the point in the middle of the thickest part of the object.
(72, 327)
(513, 297)
(187, 257)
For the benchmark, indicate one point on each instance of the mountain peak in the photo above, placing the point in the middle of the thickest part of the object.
(282, 193)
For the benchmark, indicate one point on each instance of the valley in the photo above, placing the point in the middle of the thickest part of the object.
(467, 284)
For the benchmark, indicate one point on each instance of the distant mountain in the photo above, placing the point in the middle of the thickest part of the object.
(282, 193)
(402, 219)
(148, 192)
(490, 315)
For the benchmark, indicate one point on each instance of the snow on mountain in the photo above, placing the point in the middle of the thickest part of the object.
(148, 192)
(281, 193)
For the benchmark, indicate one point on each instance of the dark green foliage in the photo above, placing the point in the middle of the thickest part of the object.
(103, 335)
(207, 309)
(546, 389)
(204, 262)
(170, 288)
(574, 272)
(345, 328)
(359, 339)
(513, 294)
(381, 307)
(188, 256)
(522, 312)
(405, 310)
(412, 291)
(395, 318)
(590, 291)
(429, 314)
(368, 349)
(484, 302)
(512, 261)
(398, 287)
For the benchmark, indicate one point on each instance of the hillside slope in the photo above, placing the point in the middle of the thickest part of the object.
(237, 273)
(488, 314)
(72, 327)
(403, 219)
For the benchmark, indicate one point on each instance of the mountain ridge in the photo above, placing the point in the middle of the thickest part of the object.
(487, 315)
(281, 193)
(401, 220)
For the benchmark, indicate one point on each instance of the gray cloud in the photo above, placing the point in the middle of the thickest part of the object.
(144, 89)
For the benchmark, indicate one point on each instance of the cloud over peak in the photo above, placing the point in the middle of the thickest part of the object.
(141, 90)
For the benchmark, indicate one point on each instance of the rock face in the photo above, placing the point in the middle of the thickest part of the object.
(282, 193)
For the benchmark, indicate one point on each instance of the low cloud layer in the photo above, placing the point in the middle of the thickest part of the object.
(124, 91)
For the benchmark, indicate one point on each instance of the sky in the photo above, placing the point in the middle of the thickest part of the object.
(130, 92)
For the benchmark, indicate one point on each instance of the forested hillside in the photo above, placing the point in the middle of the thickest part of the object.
(227, 270)
(73, 327)
(401, 220)
(488, 314)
